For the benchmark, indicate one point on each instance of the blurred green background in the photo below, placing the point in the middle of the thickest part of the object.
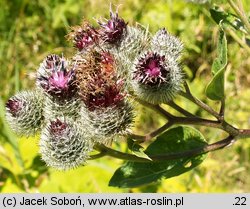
(29, 30)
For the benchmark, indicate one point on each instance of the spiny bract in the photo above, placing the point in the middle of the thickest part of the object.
(24, 112)
(105, 123)
(64, 145)
(156, 78)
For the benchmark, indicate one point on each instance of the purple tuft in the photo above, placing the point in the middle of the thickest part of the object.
(151, 69)
(52, 61)
(84, 37)
(111, 96)
(112, 30)
(57, 128)
(60, 82)
(14, 106)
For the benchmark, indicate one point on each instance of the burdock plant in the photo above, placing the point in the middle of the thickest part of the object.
(83, 104)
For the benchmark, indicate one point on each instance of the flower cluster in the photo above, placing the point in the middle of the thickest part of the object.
(87, 99)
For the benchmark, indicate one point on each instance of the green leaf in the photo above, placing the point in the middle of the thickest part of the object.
(215, 88)
(175, 140)
(221, 61)
(227, 19)
(137, 149)
(5, 174)
(39, 165)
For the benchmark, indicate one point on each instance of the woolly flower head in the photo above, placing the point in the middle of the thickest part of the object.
(137, 39)
(151, 69)
(105, 104)
(113, 29)
(24, 112)
(83, 36)
(166, 43)
(64, 145)
(156, 78)
(57, 78)
(97, 80)
(108, 122)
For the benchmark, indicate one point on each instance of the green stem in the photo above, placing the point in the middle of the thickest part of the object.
(188, 95)
(229, 128)
(239, 10)
(197, 121)
(96, 156)
(244, 133)
(147, 137)
(222, 109)
(180, 109)
(238, 39)
(157, 108)
(169, 156)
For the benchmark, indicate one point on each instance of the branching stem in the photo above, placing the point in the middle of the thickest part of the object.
(170, 156)
(190, 119)
(151, 135)
(180, 109)
(188, 95)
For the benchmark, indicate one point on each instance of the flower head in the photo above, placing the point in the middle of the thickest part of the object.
(98, 83)
(113, 29)
(83, 36)
(156, 78)
(60, 82)
(57, 127)
(151, 69)
(14, 105)
(24, 112)
(64, 145)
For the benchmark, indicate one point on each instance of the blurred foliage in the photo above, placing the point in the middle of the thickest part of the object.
(29, 30)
